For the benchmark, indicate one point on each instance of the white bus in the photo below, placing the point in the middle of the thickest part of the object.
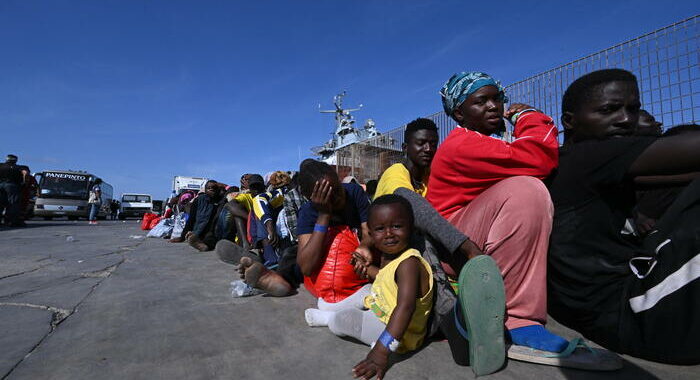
(65, 193)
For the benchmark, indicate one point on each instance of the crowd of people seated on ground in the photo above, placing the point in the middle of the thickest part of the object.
(479, 239)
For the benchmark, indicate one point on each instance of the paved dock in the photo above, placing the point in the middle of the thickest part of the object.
(93, 302)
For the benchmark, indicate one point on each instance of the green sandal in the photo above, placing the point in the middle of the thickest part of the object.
(483, 302)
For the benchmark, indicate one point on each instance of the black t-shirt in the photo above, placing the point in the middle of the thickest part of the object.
(593, 196)
(10, 173)
(353, 214)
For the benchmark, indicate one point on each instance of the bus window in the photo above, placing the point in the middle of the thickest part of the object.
(66, 186)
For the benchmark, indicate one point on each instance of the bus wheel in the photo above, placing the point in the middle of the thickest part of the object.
(48, 218)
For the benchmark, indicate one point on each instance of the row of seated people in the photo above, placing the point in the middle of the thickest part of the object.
(477, 240)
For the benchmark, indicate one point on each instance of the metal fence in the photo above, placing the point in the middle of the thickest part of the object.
(665, 61)
(368, 159)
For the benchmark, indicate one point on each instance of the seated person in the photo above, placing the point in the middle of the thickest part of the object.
(181, 210)
(287, 230)
(202, 216)
(266, 207)
(642, 298)
(327, 228)
(391, 314)
(287, 276)
(491, 191)
(241, 208)
(225, 226)
(432, 233)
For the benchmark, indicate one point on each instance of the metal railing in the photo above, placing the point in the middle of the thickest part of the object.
(665, 61)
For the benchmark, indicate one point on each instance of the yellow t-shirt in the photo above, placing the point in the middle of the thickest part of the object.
(396, 176)
(383, 298)
(245, 200)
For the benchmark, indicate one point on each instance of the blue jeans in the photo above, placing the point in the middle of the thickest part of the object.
(94, 208)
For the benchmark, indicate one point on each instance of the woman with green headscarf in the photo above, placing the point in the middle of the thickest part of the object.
(491, 190)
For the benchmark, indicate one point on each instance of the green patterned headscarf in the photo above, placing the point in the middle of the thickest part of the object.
(461, 85)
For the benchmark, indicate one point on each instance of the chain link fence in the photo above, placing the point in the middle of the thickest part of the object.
(665, 61)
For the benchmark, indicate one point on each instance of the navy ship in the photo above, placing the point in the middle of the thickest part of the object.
(345, 132)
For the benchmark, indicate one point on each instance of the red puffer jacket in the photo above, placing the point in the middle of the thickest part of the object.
(336, 279)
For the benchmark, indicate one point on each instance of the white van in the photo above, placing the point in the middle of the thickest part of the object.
(135, 205)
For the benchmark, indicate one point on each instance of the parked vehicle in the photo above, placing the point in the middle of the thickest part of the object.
(66, 193)
(135, 205)
(182, 183)
(158, 207)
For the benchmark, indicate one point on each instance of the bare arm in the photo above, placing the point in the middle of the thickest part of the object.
(236, 209)
(408, 280)
(310, 254)
(669, 156)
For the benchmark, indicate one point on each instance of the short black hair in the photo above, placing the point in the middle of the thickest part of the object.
(371, 187)
(417, 125)
(311, 171)
(680, 129)
(232, 189)
(209, 181)
(578, 91)
(390, 199)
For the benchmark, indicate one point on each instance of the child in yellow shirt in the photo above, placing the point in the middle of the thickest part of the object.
(392, 314)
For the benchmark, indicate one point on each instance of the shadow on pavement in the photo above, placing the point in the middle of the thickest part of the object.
(629, 371)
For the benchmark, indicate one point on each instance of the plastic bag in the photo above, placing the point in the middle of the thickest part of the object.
(241, 289)
(162, 229)
(154, 222)
(146, 221)
(180, 221)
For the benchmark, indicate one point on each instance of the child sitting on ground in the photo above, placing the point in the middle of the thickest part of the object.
(391, 314)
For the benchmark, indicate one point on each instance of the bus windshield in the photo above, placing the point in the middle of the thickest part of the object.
(136, 198)
(64, 185)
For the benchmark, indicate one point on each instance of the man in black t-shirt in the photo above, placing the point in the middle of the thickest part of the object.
(642, 299)
(10, 184)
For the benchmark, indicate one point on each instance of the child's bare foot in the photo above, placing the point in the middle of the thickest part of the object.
(257, 276)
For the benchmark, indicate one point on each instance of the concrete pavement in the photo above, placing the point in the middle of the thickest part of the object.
(104, 305)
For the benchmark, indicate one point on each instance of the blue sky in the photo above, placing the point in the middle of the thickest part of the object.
(139, 91)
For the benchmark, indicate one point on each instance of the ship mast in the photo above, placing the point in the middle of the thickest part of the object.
(343, 118)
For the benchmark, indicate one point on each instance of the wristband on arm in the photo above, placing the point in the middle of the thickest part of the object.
(388, 341)
(320, 228)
